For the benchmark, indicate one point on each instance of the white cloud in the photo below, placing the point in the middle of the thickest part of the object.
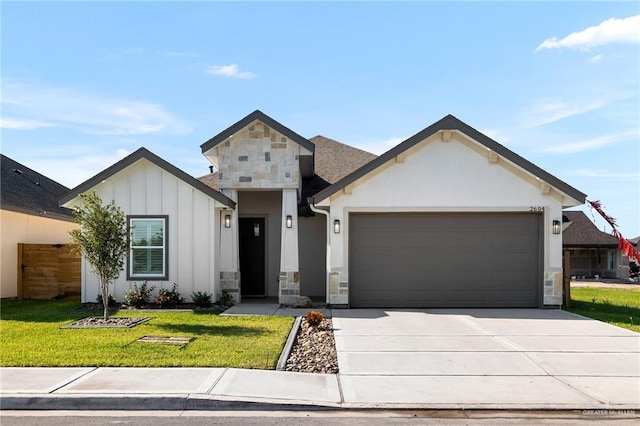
(230, 70)
(596, 58)
(88, 112)
(614, 30)
(595, 143)
(549, 111)
(19, 124)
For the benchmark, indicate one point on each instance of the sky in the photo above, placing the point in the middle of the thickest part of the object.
(83, 84)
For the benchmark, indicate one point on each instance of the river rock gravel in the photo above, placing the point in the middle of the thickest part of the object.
(314, 350)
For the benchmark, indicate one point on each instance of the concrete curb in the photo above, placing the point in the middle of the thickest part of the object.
(190, 402)
(152, 403)
(288, 346)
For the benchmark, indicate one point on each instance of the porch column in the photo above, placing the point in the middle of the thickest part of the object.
(289, 278)
(228, 250)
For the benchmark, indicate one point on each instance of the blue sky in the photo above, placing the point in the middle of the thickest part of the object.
(84, 84)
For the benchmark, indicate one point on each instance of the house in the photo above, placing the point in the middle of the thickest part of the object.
(447, 218)
(592, 253)
(29, 213)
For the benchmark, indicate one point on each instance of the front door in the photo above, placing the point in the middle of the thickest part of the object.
(252, 256)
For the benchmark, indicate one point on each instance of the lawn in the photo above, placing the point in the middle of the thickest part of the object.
(614, 306)
(30, 336)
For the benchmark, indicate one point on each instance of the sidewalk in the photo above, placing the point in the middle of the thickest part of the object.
(230, 388)
(162, 389)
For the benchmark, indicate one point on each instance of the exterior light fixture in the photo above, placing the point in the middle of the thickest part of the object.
(289, 221)
(256, 229)
(556, 227)
(336, 226)
(227, 221)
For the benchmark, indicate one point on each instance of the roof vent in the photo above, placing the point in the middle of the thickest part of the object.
(18, 171)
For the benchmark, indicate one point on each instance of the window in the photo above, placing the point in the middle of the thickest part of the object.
(148, 247)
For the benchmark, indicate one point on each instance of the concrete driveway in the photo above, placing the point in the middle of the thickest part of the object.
(485, 358)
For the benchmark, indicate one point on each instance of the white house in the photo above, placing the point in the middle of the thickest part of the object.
(448, 218)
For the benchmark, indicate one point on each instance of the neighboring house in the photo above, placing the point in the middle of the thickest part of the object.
(29, 213)
(448, 218)
(592, 253)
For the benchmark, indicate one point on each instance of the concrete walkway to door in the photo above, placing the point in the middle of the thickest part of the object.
(485, 358)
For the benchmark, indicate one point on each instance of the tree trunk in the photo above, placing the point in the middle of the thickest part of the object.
(104, 286)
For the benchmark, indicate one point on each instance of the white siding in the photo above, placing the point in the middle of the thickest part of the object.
(146, 189)
(448, 176)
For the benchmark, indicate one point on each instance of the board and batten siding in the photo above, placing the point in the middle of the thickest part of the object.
(146, 189)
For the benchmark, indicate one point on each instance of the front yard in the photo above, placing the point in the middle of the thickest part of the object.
(30, 336)
(614, 306)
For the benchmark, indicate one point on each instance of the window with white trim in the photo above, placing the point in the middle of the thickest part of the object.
(148, 247)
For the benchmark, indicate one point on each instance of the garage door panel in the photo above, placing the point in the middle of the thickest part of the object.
(444, 260)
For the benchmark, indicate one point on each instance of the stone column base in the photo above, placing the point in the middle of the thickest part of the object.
(230, 282)
(289, 287)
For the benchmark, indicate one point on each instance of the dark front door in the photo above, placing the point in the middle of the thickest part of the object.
(252, 256)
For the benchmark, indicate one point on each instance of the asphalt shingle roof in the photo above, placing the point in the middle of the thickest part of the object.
(333, 161)
(579, 231)
(26, 191)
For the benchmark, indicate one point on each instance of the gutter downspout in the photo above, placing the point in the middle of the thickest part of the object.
(314, 209)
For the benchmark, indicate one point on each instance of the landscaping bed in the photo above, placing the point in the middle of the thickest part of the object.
(314, 350)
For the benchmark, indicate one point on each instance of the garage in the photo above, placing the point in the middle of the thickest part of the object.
(445, 260)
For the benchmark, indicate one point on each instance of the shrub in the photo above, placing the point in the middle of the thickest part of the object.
(111, 300)
(226, 299)
(202, 299)
(167, 298)
(138, 296)
(314, 318)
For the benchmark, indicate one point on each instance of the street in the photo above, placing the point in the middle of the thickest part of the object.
(328, 418)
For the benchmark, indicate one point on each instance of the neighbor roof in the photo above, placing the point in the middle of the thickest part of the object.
(579, 231)
(256, 115)
(24, 190)
(148, 155)
(452, 123)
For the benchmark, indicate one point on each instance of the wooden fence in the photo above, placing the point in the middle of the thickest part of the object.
(47, 271)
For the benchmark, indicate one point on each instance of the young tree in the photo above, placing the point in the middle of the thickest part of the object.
(102, 240)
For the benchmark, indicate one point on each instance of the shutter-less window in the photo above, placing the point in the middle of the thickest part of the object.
(148, 249)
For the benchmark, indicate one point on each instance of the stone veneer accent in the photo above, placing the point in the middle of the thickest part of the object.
(289, 287)
(258, 157)
(230, 281)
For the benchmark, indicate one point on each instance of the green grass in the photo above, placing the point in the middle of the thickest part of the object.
(30, 336)
(614, 306)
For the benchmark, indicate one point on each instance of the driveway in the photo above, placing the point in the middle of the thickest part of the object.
(485, 358)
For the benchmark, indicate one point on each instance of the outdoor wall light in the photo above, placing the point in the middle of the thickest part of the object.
(289, 221)
(336, 226)
(556, 227)
(256, 229)
(227, 221)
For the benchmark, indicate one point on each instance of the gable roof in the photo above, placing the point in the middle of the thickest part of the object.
(148, 155)
(24, 190)
(452, 123)
(579, 231)
(256, 115)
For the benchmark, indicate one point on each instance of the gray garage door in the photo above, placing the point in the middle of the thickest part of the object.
(445, 260)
